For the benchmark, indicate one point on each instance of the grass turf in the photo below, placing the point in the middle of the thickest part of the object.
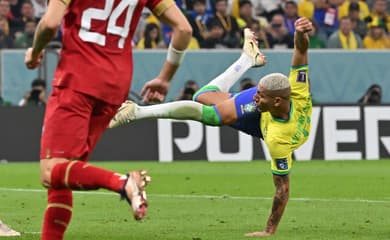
(201, 200)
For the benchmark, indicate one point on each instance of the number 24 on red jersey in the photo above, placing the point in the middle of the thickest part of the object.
(111, 14)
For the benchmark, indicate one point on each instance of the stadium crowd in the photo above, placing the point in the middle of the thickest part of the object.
(347, 24)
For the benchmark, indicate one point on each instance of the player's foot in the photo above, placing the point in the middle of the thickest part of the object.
(6, 231)
(252, 50)
(134, 192)
(124, 115)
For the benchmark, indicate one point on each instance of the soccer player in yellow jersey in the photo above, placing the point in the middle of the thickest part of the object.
(279, 106)
(285, 106)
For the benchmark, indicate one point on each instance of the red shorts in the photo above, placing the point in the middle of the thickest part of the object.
(73, 124)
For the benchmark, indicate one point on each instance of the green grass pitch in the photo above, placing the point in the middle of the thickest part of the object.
(212, 201)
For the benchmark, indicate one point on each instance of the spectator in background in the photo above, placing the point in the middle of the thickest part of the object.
(27, 14)
(325, 15)
(183, 5)
(15, 6)
(39, 7)
(271, 7)
(5, 10)
(358, 26)
(261, 35)
(209, 6)
(379, 10)
(198, 18)
(344, 37)
(344, 9)
(36, 96)
(246, 83)
(5, 14)
(234, 8)
(140, 29)
(188, 91)
(306, 9)
(315, 41)
(152, 38)
(290, 16)
(6, 40)
(373, 95)
(376, 37)
(231, 30)
(26, 38)
(280, 39)
(215, 37)
(246, 15)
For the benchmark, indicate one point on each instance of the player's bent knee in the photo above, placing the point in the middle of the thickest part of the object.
(210, 116)
(47, 166)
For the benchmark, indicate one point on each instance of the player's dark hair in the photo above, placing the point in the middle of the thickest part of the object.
(242, 3)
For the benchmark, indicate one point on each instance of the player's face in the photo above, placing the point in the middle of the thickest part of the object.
(262, 100)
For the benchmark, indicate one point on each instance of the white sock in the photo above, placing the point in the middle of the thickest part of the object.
(188, 110)
(230, 76)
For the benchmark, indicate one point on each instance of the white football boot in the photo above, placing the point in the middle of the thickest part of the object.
(252, 50)
(124, 115)
(6, 231)
(134, 192)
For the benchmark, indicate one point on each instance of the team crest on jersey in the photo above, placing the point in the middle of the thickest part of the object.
(281, 163)
(248, 108)
(302, 76)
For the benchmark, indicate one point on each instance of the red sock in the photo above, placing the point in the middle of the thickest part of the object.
(79, 175)
(58, 214)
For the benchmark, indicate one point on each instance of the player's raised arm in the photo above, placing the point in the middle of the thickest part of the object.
(46, 30)
(156, 89)
(301, 41)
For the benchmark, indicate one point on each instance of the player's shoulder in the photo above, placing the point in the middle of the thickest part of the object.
(278, 142)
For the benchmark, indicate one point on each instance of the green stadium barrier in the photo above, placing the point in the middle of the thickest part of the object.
(336, 76)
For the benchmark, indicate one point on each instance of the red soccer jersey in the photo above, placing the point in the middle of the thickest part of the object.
(96, 57)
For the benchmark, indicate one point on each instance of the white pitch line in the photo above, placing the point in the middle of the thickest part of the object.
(227, 197)
(32, 233)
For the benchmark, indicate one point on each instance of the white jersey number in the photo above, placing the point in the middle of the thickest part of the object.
(110, 14)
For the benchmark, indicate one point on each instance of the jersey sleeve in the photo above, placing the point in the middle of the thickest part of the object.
(66, 2)
(158, 7)
(299, 81)
(281, 161)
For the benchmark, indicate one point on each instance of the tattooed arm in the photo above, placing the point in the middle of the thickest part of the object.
(282, 185)
(280, 202)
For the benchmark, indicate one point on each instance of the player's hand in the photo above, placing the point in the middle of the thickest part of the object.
(259, 234)
(155, 90)
(303, 25)
(32, 61)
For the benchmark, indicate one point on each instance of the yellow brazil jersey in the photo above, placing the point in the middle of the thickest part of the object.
(282, 137)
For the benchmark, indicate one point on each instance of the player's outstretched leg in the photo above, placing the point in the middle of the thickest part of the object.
(79, 175)
(250, 57)
(179, 110)
(213, 93)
